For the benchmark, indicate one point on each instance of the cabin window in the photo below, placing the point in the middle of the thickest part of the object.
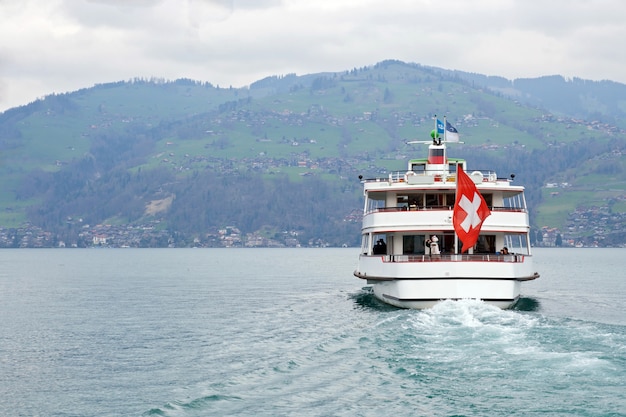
(488, 199)
(379, 245)
(415, 201)
(372, 204)
(402, 202)
(434, 200)
(515, 202)
(486, 244)
(516, 243)
(413, 244)
(418, 168)
(446, 243)
(416, 244)
(364, 244)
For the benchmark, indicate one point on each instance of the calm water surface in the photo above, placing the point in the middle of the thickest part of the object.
(290, 332)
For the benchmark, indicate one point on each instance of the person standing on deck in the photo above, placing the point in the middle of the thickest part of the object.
(434, 245)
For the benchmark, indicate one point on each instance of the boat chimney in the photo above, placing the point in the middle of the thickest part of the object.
(437, 154)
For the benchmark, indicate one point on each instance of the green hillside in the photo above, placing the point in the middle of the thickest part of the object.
(282, 155)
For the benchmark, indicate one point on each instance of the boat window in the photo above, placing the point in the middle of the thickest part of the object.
(413, 244)
(379, 246)
(364, 244)
(373, 205)
(402, 202)
(488, 199)
(416, 244)
(515, 202)
(416, 201)
(446, 243)
(433, 200)
(485, 244)
(418, 168)
(516, 243)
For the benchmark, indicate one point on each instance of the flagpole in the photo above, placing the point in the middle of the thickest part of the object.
(456, 192)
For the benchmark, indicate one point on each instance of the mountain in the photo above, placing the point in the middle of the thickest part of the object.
(576, 98)
(180, 163)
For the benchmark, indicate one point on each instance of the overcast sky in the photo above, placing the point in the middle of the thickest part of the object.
(55, 46)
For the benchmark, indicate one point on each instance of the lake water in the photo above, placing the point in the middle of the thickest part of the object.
(290, 332)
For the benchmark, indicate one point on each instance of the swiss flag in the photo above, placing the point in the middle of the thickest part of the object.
(470, 210)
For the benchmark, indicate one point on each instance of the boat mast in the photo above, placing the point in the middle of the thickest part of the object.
(456, 190)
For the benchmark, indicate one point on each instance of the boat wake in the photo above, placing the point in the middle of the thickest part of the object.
(201, 403)
(365, 300)
(456, 349)
(527, 304)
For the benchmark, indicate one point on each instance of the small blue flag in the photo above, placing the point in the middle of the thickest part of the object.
(440, 127)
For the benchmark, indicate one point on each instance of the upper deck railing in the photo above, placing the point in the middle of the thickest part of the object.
(436, 175)
(443, 208)
(483, 257)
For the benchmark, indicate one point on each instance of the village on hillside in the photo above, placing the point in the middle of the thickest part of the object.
(589, 227)
(149, 236)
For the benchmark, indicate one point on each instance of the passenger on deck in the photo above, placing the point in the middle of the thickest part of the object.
(434, 245)
(380, 248)
(504, 251)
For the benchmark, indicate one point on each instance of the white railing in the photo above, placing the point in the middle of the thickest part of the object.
(483, 257)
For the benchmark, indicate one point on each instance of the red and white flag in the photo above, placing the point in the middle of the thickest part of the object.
(470, 210)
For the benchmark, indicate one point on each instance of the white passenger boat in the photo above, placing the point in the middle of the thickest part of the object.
(435, 232)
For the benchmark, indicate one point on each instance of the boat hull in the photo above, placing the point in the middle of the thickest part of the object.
(424, 281)
(420, 294)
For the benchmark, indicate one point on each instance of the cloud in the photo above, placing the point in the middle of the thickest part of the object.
(52, 46)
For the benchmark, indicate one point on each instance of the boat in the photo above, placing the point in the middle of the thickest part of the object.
(438, 232)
